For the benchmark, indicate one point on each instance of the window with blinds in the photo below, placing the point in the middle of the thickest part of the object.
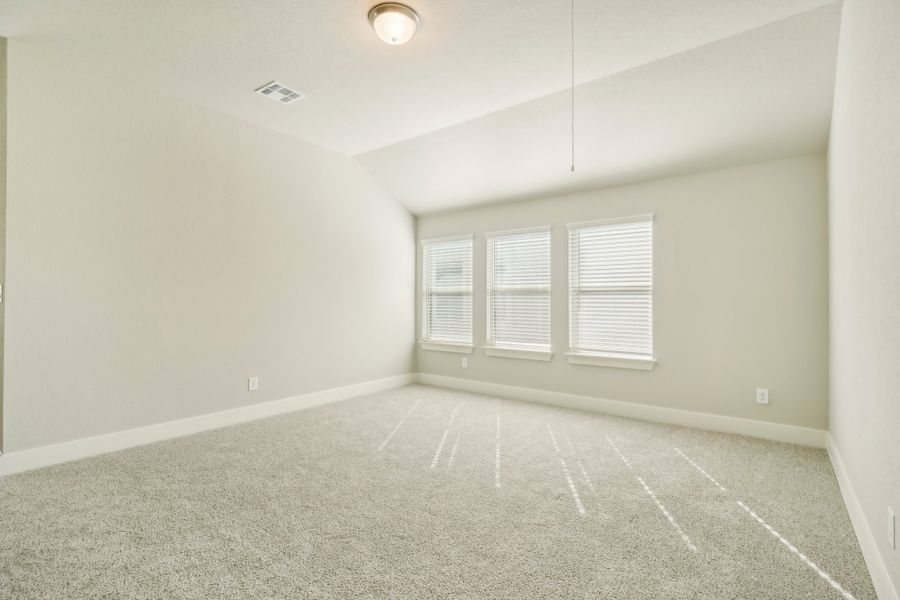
(447, 291)
(518, 290)
(611, 287)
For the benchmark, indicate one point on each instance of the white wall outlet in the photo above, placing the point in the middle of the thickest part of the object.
(465, 362)
(892, 529)
(253, 384)
(762, 396)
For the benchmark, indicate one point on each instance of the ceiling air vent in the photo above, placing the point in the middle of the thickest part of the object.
(279, 93)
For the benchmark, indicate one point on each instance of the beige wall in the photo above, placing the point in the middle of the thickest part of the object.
(160, 253)
(2, 211)
(864, 218)
(740, 292)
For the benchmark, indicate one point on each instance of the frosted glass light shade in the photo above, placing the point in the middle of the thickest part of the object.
(394, 23)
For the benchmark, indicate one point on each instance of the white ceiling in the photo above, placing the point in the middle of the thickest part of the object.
(754, 96)
(480, 81)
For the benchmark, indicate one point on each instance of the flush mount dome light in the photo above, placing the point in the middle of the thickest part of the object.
(394, 23)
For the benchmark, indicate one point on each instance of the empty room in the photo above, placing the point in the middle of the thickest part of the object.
(500, 299)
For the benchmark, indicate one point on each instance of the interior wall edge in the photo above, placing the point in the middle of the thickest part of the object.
(777, 432)
(864, 278)
(3, 152)
(876, 563)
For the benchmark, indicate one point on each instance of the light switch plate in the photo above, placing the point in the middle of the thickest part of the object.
(762, 396)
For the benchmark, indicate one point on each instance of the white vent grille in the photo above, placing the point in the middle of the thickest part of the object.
(279, 93)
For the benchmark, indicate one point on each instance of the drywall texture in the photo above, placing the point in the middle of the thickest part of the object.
(2, 212)
(160, 253)
(740, 292)
(864, 228)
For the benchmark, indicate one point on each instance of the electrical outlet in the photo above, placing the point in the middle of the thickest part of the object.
(892, 529)
(762, 396)
(253, 384)
(465, 362)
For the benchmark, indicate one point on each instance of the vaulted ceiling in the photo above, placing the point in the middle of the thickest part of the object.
(475, 108)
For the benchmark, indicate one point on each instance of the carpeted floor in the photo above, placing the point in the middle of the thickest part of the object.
(428, 493)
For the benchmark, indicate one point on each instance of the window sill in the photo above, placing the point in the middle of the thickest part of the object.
(619, 361)
(543, 355)
(446, 347)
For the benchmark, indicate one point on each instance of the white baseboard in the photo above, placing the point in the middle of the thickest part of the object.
(881, 578)
(672, 416)
(25, 460)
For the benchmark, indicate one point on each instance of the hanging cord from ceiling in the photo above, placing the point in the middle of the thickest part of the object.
(572, 14)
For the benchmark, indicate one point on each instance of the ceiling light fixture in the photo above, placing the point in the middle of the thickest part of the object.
(394, 23)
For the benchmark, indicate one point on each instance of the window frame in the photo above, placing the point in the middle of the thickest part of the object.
(607, 357)
(511, 350)
(426, 342)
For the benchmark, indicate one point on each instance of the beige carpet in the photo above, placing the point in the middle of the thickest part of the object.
(427, 493)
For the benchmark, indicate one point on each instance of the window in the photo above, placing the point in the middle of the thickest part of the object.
(611, 293)
(447, 293)
(518, 292)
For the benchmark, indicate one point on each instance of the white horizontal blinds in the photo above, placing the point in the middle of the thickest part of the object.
(611, 287)
(447, 291)
(518, 290)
